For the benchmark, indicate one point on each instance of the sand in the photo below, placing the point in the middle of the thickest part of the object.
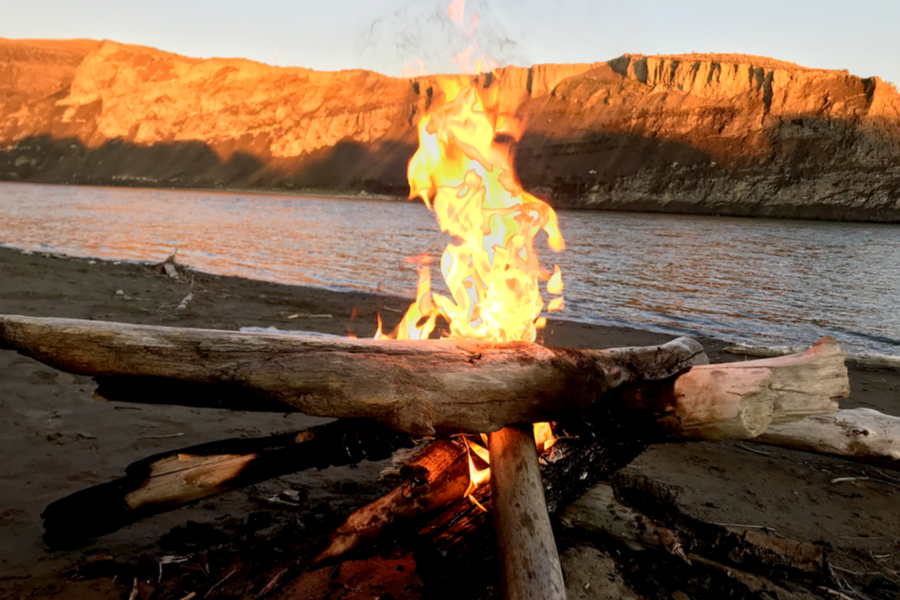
(55, 439)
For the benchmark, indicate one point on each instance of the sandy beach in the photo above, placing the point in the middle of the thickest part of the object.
(55, 439)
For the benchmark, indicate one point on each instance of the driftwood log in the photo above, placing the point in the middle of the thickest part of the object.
(443, 385)
(861, 434)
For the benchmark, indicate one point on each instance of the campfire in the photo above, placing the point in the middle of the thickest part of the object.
(503, 430)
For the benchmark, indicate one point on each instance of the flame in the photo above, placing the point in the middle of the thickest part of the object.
(543, 436)
(463, 172)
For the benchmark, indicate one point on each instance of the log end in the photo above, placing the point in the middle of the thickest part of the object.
(741, 400)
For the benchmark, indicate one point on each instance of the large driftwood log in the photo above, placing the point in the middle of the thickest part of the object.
(861, 434)
(447, 385)
(171, 479)
(529, 562)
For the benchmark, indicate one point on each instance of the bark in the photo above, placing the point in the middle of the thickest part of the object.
(529, 562)
(861, 434)
(168, 480)
(444, 385)
(438, 475)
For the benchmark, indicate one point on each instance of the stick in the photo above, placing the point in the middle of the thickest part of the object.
(440, 385)
(861, 434)
(529, 561)
(166, 481)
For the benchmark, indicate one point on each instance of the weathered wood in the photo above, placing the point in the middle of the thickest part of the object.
(601, 511)
(446, 385)
(418, 386)
(861, 434)
(737, 400)
(868, 359)
(171, 479)
(529, 562)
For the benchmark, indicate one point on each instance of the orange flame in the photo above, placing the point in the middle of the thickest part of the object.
(463, 172)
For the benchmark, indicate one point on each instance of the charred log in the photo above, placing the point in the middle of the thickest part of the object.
(168, 480)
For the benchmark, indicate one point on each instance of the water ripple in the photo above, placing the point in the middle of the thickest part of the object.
(765, 282)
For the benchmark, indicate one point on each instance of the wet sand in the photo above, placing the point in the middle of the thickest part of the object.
(55, 439)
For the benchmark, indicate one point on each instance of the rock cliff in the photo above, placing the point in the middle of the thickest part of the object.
(708, 134)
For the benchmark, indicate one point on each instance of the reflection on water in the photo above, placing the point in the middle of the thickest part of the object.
(755, 280)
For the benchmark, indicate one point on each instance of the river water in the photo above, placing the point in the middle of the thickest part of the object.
(759, 281)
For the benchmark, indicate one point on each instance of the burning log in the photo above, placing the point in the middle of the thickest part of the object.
(444, 385)
(165, 481)
(438, 475)
(862, 435)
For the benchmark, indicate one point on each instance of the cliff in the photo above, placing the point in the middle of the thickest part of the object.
(709, 134)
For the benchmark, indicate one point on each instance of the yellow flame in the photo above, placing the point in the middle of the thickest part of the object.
(463, 172)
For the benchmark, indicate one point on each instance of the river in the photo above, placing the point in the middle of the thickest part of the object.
(759, 281)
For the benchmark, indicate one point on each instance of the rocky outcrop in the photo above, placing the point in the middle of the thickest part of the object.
(715, 134)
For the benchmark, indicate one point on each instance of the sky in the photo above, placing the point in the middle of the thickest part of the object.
(388, 35)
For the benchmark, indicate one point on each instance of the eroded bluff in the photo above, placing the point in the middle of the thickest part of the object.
(709, 134)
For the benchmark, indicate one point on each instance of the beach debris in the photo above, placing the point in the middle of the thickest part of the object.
(161, 437)
(308, 316)
(184, 302)
(846, 479)
(169, 560)
(172, 269)
(272, 583)
(220, 582)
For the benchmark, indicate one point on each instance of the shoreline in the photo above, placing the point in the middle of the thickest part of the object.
(742, 347)
(56, 439)
(826, 214)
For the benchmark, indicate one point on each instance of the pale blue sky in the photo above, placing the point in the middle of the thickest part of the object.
(385, 35)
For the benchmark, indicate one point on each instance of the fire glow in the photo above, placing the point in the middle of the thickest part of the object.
(463, 172)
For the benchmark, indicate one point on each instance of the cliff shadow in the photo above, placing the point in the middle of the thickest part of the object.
(44, 159)
(346, 166)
